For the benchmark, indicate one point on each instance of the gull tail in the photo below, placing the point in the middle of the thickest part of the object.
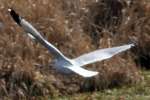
(83, 72)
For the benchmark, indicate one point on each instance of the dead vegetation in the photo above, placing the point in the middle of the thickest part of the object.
(75, 27)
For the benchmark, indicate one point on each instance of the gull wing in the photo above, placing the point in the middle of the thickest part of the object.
(83, 72)
(99, 55)
(32, 37)
(34, 34)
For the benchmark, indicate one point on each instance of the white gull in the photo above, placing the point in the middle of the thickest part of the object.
(61, 62)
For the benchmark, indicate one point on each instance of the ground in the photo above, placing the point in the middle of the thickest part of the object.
(75, 27)
(133, 92)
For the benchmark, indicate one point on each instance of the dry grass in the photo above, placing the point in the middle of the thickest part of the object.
(75, 27)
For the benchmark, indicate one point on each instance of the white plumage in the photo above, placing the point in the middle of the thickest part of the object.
(61, 62)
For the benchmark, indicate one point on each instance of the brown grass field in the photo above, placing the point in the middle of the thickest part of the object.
(75, 27)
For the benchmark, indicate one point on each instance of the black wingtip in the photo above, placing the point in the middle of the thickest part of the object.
(15, 16)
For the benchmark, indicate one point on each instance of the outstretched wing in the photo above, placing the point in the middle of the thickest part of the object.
(83, 72)
(99, 55)
(34, 34)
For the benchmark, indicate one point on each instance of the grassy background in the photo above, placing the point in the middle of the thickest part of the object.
(75, 27)
(133, 92)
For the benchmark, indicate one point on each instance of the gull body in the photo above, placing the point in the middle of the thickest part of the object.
(61, 62)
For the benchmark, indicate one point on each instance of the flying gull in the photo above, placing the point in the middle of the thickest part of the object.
(62, 63)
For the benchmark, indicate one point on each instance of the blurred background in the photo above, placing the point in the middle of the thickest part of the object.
(75, 27)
